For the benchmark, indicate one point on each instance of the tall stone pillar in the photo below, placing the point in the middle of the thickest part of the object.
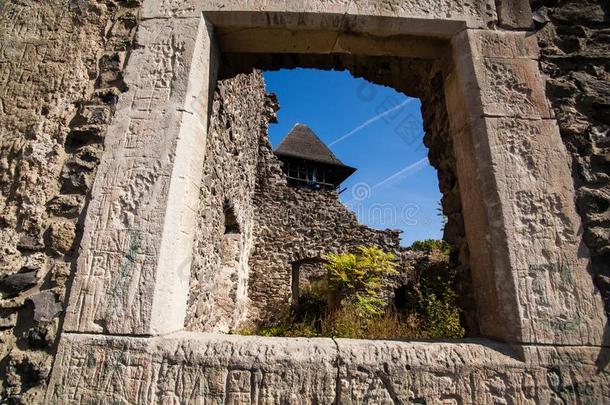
(529, 263)
(133, 269)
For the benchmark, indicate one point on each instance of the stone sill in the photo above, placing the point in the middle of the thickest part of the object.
(214, 368)
(425, 354)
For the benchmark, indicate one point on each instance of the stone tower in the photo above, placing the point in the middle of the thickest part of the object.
(308, 162)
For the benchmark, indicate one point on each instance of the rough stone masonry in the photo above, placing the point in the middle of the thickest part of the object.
(244, 277)
(104, 132)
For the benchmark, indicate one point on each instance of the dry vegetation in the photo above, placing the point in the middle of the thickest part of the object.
(348, 304)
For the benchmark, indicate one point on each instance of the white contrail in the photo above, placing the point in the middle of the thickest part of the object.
(370, 121)
(412, 168)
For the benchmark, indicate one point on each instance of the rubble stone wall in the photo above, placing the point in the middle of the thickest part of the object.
(294, 224)
(218, 290)
(439, 142)
(278, 224)
(60, 76)
(574, 38)
(418, 78)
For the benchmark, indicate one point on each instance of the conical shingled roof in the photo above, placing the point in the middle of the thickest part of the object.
(302, 142)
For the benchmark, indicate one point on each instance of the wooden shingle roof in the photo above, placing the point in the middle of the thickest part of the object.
(301, 142)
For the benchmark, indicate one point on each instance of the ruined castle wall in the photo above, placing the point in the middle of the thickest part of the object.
(240, 115)
(418, 78)
(574, 40)
(439, 142)
(60, 60)
(60, 76)
(293, 224)
(278, 224)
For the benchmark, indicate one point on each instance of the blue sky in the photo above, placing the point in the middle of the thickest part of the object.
(374, 129)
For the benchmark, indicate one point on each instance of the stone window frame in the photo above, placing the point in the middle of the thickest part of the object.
(133, 273)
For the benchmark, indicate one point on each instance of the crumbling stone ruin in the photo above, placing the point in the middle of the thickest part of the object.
(277, 228)
(299, 225)
(135, 176)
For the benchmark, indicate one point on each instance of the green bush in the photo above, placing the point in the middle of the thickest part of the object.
(442, 318)
(311, 306)
(357, 278)
(346, 323)
(431, 296)
(356, 310)
(432, 245)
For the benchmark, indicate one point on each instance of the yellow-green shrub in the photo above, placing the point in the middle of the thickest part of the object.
(357, 278)
(357, 311)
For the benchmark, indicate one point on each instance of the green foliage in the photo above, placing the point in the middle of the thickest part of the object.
(289, 329)
(443, 318)
(441, 214)
(432, 245)
(432, 298)
(311, 306)
(346, 323)
(357, 277)
(368, 306)
(356, 310)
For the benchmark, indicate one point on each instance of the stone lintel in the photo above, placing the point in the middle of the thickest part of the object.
(283, 40)
(429, 17)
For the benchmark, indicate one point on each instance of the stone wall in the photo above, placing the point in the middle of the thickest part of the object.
(278, 224)
(441, 156)
(574, 37)
(418, 78)
(294, 224)
(60, 76)
(203, 368)
(218, 288)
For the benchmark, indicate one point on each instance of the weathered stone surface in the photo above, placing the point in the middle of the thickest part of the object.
(196, 367)
(134, 244)
(575, 53)
(48, 71)
(46, 306)
(240, 114)
(419, 15)
(232, 369)
(29, 244)
(514, 14)
(15, 283)
(525, 184)
(61, 75)
(8, 320)
(61, 236)
(576, 12)
(502, 71)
